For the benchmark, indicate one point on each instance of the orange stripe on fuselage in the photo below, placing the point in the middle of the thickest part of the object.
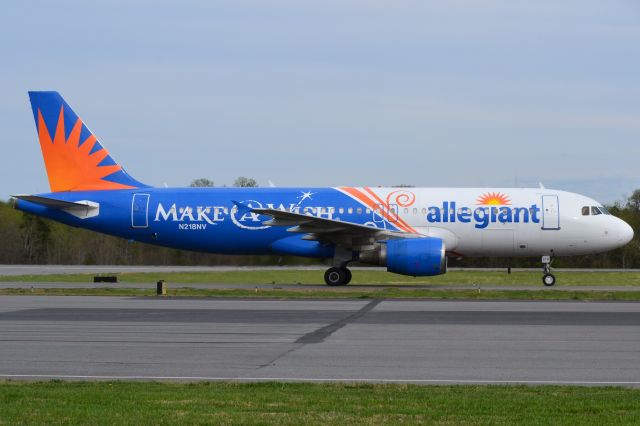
(383, 212)
(403, 225)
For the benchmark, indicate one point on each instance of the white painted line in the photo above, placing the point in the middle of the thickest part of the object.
(304, 379)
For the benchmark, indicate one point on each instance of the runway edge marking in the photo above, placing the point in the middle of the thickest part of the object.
(304, 379)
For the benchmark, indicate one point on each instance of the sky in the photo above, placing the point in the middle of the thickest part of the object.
(334, 92)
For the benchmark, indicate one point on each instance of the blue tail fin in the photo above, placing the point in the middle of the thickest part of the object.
(74, 158)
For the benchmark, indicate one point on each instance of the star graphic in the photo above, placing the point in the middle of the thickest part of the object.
(305, 196)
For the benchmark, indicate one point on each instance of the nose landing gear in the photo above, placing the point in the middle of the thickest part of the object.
(548, 279)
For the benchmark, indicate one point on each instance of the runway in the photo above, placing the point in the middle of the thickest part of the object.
(339, 340)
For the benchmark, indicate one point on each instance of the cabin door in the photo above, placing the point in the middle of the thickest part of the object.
(140, 211)
(550, 212)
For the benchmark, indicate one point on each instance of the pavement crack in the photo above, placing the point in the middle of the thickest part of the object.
(285, 353)
(321, 334)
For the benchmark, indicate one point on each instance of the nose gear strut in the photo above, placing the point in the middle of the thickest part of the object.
(548, 279)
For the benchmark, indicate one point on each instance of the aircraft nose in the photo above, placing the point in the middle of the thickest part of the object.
(625, 232)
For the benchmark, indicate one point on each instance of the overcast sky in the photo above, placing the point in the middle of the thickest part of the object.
(344, 92)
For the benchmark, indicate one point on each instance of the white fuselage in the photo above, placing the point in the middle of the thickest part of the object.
(508, 221)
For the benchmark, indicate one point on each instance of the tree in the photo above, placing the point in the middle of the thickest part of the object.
(201, 183)
(634, 201)
(36, 233)
(243, 182)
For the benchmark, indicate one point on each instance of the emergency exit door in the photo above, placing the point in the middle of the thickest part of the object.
(550, 212)
(383, 212)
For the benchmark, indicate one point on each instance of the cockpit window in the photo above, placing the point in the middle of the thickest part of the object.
(595, 210)
(585, 211)
(604, 210)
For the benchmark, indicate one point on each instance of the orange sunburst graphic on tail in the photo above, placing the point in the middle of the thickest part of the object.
(70, 164)
(493, 199)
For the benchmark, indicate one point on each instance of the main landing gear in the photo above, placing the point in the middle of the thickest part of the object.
(336, 276)
(339, 274)
(548, 278)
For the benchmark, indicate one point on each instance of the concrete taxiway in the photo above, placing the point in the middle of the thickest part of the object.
(323, 340)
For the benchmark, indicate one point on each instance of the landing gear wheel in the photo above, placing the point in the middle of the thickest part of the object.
(548, 280)
(337, 276)
(348, 275)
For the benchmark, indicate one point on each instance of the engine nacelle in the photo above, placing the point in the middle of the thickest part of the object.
(419, 257)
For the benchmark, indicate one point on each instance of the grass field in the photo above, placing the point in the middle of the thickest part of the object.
(292, 292)
(101, 403)
(288, 283)
(292, 276)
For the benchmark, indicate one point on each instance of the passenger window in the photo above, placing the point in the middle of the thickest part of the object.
(595, 211)
(415, 211)
(341, 210)
(406, 211)
(359, 210)
(424, 211)
(368, 211)
(350, 210)
(585, 211)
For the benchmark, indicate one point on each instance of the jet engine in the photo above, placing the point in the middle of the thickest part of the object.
(418, 257)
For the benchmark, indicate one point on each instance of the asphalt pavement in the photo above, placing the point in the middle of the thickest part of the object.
(414, 341)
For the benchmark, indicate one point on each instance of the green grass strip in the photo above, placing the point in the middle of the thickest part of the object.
(106, 403)
(329, 293)
(293, 276)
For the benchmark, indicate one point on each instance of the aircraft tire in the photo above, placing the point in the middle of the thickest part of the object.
(347, 272)
(336, 276)
(548, 280)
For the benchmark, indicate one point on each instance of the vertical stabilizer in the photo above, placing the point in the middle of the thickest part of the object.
(74, 158)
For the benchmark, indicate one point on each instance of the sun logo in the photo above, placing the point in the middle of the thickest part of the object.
(73, 164)
(493, 199)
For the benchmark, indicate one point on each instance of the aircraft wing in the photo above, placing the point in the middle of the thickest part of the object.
(347, 234)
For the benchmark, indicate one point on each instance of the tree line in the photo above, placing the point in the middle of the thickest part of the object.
(28, 239)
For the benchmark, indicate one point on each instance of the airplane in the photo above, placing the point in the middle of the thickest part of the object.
(410, 231)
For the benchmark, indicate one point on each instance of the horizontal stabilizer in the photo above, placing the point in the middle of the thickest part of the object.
(50, 202)
(82, 209)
